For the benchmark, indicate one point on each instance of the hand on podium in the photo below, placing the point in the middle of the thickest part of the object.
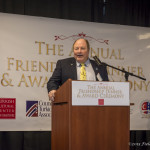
(51, 95)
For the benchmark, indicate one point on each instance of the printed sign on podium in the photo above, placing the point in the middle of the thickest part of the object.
(100, 93)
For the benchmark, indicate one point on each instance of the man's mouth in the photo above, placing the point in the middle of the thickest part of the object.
(79, 55)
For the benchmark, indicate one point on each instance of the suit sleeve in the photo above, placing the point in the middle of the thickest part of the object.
(55, 80)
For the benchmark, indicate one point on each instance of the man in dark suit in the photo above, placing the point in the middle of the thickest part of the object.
(70, 68)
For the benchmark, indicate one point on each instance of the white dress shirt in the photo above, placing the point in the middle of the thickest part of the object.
(90, 74)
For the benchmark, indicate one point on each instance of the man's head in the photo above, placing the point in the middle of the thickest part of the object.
(81, 49)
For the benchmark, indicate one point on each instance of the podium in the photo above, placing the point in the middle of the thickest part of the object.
(87, 127)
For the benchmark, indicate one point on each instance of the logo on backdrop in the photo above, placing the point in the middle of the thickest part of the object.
(7, 108)
(32, 108)
(145, 109)
(38, 108)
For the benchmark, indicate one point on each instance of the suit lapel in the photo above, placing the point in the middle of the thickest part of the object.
(73, 69)
(95, 68)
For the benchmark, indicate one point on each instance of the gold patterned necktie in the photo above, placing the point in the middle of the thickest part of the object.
(82, 72)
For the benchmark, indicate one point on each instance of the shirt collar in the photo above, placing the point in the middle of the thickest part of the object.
(86, 63)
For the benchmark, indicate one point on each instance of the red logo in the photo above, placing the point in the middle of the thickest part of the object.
(100, 101)
(146, 107)
(7, 108)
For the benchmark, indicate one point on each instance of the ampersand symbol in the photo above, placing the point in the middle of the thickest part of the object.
(5, 81)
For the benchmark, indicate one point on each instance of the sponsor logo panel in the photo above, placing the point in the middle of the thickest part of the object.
(7, 108)
(145, 109)
(38, 108)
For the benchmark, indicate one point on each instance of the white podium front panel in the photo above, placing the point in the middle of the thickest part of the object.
(100, 93)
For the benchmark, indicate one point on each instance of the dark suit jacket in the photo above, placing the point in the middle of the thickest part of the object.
(66, 69)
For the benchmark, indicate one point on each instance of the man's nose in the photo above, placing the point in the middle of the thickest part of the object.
(79, 49)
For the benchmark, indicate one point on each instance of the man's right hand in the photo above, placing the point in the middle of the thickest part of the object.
(51, 95)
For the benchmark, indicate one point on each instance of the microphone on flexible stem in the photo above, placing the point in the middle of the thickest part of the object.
(97, 60)
(122, 70)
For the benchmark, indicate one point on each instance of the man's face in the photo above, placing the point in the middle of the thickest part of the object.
(81, 53)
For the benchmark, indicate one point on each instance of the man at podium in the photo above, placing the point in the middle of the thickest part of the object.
(79, 67)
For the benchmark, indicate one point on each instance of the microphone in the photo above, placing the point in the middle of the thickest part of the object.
(97, 60)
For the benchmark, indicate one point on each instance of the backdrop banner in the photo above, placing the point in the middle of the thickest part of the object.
(30, 47)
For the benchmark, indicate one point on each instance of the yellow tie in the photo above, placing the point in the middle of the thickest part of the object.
(82, 72)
